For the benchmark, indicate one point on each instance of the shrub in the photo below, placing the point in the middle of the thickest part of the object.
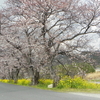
(11, 81)
(27, 82)
(20, 81)
(45, 82)
(4, 80)
(23, 82)
(76, 82)
(65, 82)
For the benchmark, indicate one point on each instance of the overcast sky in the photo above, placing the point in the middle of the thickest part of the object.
(2, 3)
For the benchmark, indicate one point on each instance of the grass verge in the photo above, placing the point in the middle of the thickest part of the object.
(65, 85)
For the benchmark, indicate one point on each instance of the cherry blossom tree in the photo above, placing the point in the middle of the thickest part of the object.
(40, 30)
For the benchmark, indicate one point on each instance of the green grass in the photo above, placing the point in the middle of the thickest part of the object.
(96, 80)
(65, 85)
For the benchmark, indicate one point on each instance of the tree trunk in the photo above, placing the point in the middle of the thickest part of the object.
(55, 78)
(34, 76)
(15, 75)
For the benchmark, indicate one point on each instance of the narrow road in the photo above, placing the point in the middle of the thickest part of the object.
(15, 92)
